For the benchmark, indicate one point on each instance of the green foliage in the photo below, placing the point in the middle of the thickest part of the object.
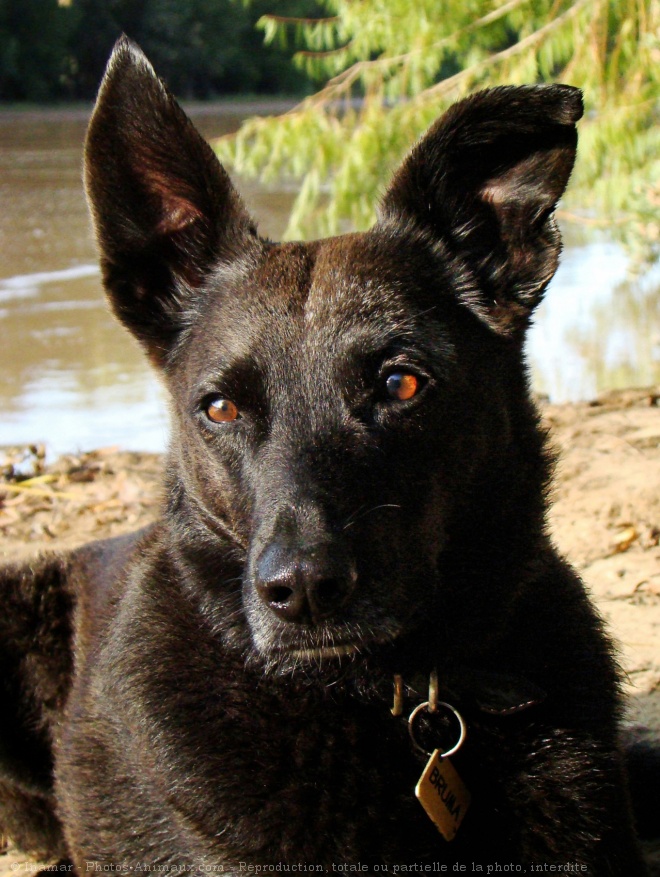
(391, 68)
(206, 47)
(52, 49)
(34, 35)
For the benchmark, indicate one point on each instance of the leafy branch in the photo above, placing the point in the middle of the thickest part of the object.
(389, 73)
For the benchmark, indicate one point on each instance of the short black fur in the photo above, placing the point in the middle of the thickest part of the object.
(355, 488)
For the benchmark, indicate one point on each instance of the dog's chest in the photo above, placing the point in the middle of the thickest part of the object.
(282, 779)
(247, 776)
(325, 779)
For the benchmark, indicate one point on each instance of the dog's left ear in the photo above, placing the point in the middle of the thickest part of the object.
(485, 181)
(164, 208)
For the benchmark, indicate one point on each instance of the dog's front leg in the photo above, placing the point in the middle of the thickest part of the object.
(35, 668)
(571, 794)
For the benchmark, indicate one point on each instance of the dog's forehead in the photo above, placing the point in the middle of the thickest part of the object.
(335, 284)
(309, 301)
(357, 281)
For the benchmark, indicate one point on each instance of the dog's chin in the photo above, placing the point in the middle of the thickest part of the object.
(327, 657)
(326, 652)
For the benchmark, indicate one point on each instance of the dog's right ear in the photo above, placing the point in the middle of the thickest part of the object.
(164, 208)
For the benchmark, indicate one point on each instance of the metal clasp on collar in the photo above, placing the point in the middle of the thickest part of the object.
(439, 704)
(432, 706)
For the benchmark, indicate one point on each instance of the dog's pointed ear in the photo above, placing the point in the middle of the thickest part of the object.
(164, 208)
(485, 181)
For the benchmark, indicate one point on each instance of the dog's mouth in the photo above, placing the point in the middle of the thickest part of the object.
(326, 652)
(322, 653)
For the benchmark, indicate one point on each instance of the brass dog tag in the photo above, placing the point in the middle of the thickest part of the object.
(443, 794)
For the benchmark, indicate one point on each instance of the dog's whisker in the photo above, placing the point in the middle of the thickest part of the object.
(354, 514)
(358, 517)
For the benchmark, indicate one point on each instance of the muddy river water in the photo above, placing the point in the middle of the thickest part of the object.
(70, 377)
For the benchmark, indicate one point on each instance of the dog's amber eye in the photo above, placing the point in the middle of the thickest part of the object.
(221, 411)
(402, 386)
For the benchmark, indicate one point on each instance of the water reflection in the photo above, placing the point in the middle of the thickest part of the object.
(597, 329)
(73, 377)
(70, 376)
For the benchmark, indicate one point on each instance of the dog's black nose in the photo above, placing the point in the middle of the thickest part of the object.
(304, 585)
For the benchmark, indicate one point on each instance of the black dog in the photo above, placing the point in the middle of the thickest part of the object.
(355, 495)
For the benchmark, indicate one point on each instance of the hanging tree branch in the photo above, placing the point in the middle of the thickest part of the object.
(389, 73)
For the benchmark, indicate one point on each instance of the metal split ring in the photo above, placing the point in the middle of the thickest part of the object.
(433, 708)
